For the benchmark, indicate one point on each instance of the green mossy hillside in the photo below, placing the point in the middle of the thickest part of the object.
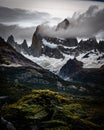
(48, 110)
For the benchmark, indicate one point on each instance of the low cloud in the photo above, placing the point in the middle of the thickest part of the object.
(85, 25)
(10, 16)
(88, 24)
(22, 23)
(19, 33)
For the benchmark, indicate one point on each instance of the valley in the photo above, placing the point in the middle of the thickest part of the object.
(54, 84)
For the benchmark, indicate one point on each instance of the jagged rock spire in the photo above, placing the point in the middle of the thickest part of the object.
(11, 40)
(63, 25)
(36, 43)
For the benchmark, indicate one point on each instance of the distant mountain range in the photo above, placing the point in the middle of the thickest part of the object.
(59, 50)
(78, 62)
(14, 67)
(73, 69)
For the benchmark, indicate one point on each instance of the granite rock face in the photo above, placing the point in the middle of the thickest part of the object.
(8, 55)
(36, 43)
(19, 47)
(90, 44)
(71, 67)
(101, 46)
(16, 68)
(24, 47)
(73, 70)
(11, 41)
(52, 52)
(63, 25)
(61, 47)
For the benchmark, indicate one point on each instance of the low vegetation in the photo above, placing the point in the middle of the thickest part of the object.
(48, 110)
(13, 90)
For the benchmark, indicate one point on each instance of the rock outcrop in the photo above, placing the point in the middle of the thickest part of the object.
(71, 67)
(8, 55)
(70, 42)
(36, 43)
(62, 47)
(63, 25)
(91, 76)
(24, 47)
(74, 70)
(11, 41)
(101, 46)
(4, 124)
(90, 44)
(52, 52)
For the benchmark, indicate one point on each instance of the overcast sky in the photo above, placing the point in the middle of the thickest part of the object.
(20, 17)
(58, 8)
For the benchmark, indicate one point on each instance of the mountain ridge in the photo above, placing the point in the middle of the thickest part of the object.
(27, 73)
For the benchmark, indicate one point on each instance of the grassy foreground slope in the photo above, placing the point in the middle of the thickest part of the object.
(48, 110)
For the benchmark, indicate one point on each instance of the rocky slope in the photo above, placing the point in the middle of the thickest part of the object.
(16, 68)
(45, 109)
(73, 70)
(63, 25)
(54, 53)
(8, 56)
(70, 68)
(23, 47)
(90, 76)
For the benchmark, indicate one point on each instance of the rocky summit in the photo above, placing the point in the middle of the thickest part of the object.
(73, 71)
(36, 43)
(24, 47)
(58, 47)
(9, 56)
(71, 67)
(63, 25)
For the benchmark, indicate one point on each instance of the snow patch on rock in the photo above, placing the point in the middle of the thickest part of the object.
(91, 61)
(48, 44)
